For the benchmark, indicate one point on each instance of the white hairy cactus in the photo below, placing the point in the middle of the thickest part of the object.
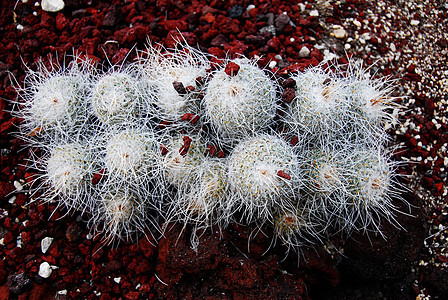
(184, 154)
(371, 106)
(103, 154)
(53, 102)
(296, 228)
(324, 183)
(172, 76)
(122, 212)
(69, 169)
(132, 154)
(240, 101)
(264, 174)
(119, 96)
(319, 107)
(370, 185)
(202, 201)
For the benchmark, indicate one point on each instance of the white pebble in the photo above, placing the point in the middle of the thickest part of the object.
(272, 64)
(12, 200)
(18, 186)
(62, 292)
(250, 7)
(19, 241)
(45, 244)
(19, 27)
(52, 5)
(357, 23)
(117, 279)
(329, 55)
(340, 33)
(45, 270)
(393, 48)
(415, 22)
(304, 52)
(314, 13)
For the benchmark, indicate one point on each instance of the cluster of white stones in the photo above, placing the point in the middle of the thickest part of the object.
(174, 137)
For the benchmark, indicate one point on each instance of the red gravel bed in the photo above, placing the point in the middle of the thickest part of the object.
(406, 41)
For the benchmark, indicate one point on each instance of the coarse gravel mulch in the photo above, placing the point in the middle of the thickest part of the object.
(406, 40)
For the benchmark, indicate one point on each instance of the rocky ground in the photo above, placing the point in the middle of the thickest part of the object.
(406, 40)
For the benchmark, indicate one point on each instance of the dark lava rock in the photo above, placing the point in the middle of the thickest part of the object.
(377, 266)
(436, 281)
(219, 40)
(235, 11)
(281, 21)
(6, 189)
(113, 17)
(217, 270)
(73, 232)
(19, 283)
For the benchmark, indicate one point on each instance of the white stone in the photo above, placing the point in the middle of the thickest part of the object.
(329, 55)
(19, 27)
(45, 270)
(18, 186)
(393, 48)
(117, 279)
(292, 40)
(340, 33)
(19, 241)
(415, 22)
(357, 23)
(250, 7)
(272, 64)
(45, 244)
(302, 7)
(314, 13)
(52, 5)
(62, 292)
(304, 52)
(12, 200)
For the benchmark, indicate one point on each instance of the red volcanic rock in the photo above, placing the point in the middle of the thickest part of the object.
(232, 69)
(5, 189)
(73, 232)
(288, 95)
(237, 276)
(147, 246)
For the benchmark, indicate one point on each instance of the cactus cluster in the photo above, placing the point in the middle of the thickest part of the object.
(177, 136)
